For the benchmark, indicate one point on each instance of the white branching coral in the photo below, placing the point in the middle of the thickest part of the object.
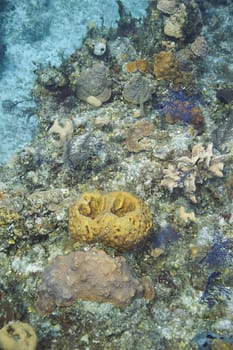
(186, 171)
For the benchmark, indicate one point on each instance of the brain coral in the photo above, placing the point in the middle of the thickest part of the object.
(91, 275)
(117, 219)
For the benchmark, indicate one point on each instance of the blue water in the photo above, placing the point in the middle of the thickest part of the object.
(39, 31)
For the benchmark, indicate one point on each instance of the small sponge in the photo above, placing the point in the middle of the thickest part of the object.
(118, 219)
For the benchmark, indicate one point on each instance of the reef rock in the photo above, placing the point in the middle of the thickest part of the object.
(116, 218)
(90, 275)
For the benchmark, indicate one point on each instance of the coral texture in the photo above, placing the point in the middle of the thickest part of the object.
(137, 134)
(199, 47)
(17, 336)
(91, 275)
(166, 67)
(118, 219)
(140, 65)
(94, 85)
(188, 170)
(182, 107)
(167, 6)
(137, 91)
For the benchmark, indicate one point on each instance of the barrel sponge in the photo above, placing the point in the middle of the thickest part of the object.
(118, 219)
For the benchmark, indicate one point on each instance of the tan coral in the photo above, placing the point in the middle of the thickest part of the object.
(200, 47)
(135, 137)
(167, 6)
(117, 219)
(18, 335)
(90, 275)
(174, 24)
(201, 164)
(186, 216)
(140, 65)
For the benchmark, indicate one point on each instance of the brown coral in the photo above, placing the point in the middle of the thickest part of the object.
(140, 65)
(166, 67)
(116, 218)
(135, 138)
(91, 275)
(94, 85)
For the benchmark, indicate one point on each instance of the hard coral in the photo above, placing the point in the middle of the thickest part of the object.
(167, 67)
(140, 65)
(188, 170)
(91, 275)
(199, 47)
(167, 6)
(136, 135)
(116, 218)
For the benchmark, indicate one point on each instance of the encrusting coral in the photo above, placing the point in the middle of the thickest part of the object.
(167, 67)
(118, 219)
(188, 170)
(137, 134)
(90, 275)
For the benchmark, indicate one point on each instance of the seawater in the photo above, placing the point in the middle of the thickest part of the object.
(38, 32)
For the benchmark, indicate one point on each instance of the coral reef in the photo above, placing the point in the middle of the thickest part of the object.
(91, 275)
(18, 335)
(94, 85)
(117, 219)
(183, 20)
(183, 142)
(186, 171)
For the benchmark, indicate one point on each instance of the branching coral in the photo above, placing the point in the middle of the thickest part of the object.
(189, 170)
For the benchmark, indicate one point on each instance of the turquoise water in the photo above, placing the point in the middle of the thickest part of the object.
(37, 32)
